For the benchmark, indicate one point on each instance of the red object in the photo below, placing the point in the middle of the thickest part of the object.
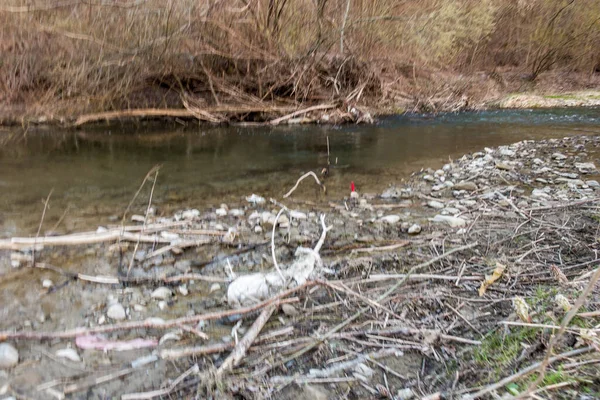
(352, 187)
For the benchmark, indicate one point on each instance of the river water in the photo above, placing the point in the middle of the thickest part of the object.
(94, 173)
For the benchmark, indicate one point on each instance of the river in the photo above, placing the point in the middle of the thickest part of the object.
(94, 173)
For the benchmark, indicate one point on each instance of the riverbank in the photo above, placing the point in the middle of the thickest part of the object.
(451, 283)
(431, 92)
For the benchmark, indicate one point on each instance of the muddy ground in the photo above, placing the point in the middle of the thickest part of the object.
(405, 304)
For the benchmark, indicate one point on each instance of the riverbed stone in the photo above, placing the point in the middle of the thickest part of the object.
(453, 222)
(161, 293)
(69, 354)
(470, 186)
(9, 356)
(390, 219)
(559, 156)
(116, 312)
(585, 168)
(414, 229)
(435, 204)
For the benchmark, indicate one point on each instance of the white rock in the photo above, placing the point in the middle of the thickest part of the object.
(215, 287)
(162, 304)
(47, 283)
(435, 204)
(255, 199)
(236, 212)
(447, 167)
(190, 214)
(429, 178)
(101, 229)
(267, 218)
(454, 222)
(390, 219)
(289, 310)
(162, 293)
(101, 320)
(116, 312)
(415, 229)
(539, 194)
(154, 321)
(537, 161)
(559, 156)
(170, 336)
(507, 152)
(452, 210)
(298, 215)
(592, 183)
(255, 215)
(405, 394)
(439, 172)
(283, 221)
(9, 356)
(221, 212)
(183, 290)
(258, 229)
(585, 167)
(69, 354)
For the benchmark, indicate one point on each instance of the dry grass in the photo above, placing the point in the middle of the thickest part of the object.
(61, 57)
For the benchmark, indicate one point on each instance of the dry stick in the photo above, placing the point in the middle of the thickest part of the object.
(162, 392)
(306, 175)
(71, 333)
(97, 381)
(40, 226)
(18, 243)
(145, 221)
(152, 170)
(242, 347)
(383, 248)
(570, 315)
(526, 371)
(277, 121)
(273, 247)
(572, 204)
(348, 321)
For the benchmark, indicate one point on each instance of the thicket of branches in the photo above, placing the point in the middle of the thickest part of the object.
(111, 54)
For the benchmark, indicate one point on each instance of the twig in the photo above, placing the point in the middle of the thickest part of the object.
(41, 223)
(242, 347)
(323, 234)
(382, 248)
(279, 120)
(306, 175)
(137, 243)
(283, 281)
(71, 333)
(162, 392)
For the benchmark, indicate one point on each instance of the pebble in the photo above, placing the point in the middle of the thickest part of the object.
(429, 178)
(439, 172)
(390, 219)
(236, 212)
(405, 394)
(289, 310)
(585, 168)
(47, 283)
(452, 210)
(215, 287)
(221, 212)
(537, 161)
(183, 290)
(69, 354)
(470, 186)
(454, 222)
(9, 356)
(190, 214)
(593, 184)
(161, 293)
(435, 204)
(298, 215)
(414, 229)
(258, 229)
(255, 199)
(116, 312)
(559, 156)
(162, 304)
(503, 166)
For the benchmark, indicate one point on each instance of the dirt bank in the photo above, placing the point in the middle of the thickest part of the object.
(444, 285)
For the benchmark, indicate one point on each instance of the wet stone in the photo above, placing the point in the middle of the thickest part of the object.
(9, 356)
(116, 312)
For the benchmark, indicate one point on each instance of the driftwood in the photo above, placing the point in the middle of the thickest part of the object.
(306, 175)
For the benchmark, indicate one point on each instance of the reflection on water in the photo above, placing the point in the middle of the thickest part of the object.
(95, 172)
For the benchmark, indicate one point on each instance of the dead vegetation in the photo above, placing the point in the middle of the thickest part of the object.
(243, 61)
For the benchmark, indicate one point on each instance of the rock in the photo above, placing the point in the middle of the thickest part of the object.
(221, 212)
(439, 172)
(289, 310)
(437, 188)
(507, 152)
(169, 235)
(470, 186)
(537, 161)
(313, 392)
(454, 222)
(363, 372)
(503, 166)
(170, 336)
(162, 293)
(468, 203)
(9, 356)
(255, 199)
(429, 178)
(391, 193)
(190, 214)
(435, 204)
(215, 287)
(298, 215)
(541, 180)
(559, 156)
(354, 195)
(593, 184)
(162, 305)
(69, 354)
(47, 283)
(258, 229)
(585, 168)
(183, 290)
(539, 193)
(283, 221)
(451, 210)
(116, 312)
(405, 394)
(236, 212)
(390, 219)
(415, 229)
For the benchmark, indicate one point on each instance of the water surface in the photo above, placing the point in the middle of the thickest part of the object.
(95, 172)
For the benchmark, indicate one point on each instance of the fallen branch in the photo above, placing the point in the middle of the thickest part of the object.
(242, 347)
(382, 248)
(306, 175)
(279, 120)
